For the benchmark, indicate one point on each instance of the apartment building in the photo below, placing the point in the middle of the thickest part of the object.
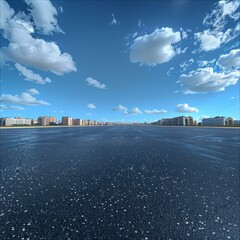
(78, 122)
(17, 121)
(46, 120)
(178, 121)
(216, 121)
(67, 121)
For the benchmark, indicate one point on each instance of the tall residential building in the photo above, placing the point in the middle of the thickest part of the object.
(46, 120)
(17, 121)
(78, 122)
(67, 121)
(216, 121)
(178, 121)
(229, 121)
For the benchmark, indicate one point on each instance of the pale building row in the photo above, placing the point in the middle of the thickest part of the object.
(220, 121)
(69, 121)
(16, 121)
(178, 121)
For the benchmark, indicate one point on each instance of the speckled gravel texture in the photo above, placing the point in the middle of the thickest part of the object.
(120, 182)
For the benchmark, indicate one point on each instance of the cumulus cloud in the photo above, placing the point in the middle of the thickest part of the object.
(216, 19)
(185, 108)
(30, 75)
(155, 48)
(232, 59)
(91, 106)
(208, 40)
(155, 111)
(25, 98)
(95, 83)
(134, 111)
(4, 107)
(41, 55)
(6, 14)
(43, 14)
(205, 80)
(29, 51)
(215, 23)
(33, 91)
(120, 108)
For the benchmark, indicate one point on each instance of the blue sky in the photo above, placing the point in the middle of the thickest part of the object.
(119, 60)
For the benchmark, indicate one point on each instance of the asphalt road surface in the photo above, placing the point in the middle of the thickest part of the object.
(122, 182)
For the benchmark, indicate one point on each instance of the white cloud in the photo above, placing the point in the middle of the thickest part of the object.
(184, 34)
(134, 35)
(6, 14)
(33, 91)
(95, 83)
(114, 20)
(4, 107)
(205, 80)
(43, 13)
(205, 63)
(30, 75)
(155, 111)
(134, 111)
(216, 33)
(26, 50)
(120, 108)
(208, 41)
(232, 59)
(234, 97)
(140, 23)
(88, 114)
(90, 106)
(24, 98)
(41, 55)
(223, 9)
(185, 108)
(169, 71)
(185, 65)
(155, 48)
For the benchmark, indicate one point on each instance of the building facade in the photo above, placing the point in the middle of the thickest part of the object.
(216, 121)
(46, 120)
(229, 121)
(177, 121)
(67, 121)
(236, 122)
(78, 122)
(18, 122)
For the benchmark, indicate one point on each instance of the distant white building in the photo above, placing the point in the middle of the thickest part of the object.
(216, 121)
(178, 121)
(17, 121)
(236, 122)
